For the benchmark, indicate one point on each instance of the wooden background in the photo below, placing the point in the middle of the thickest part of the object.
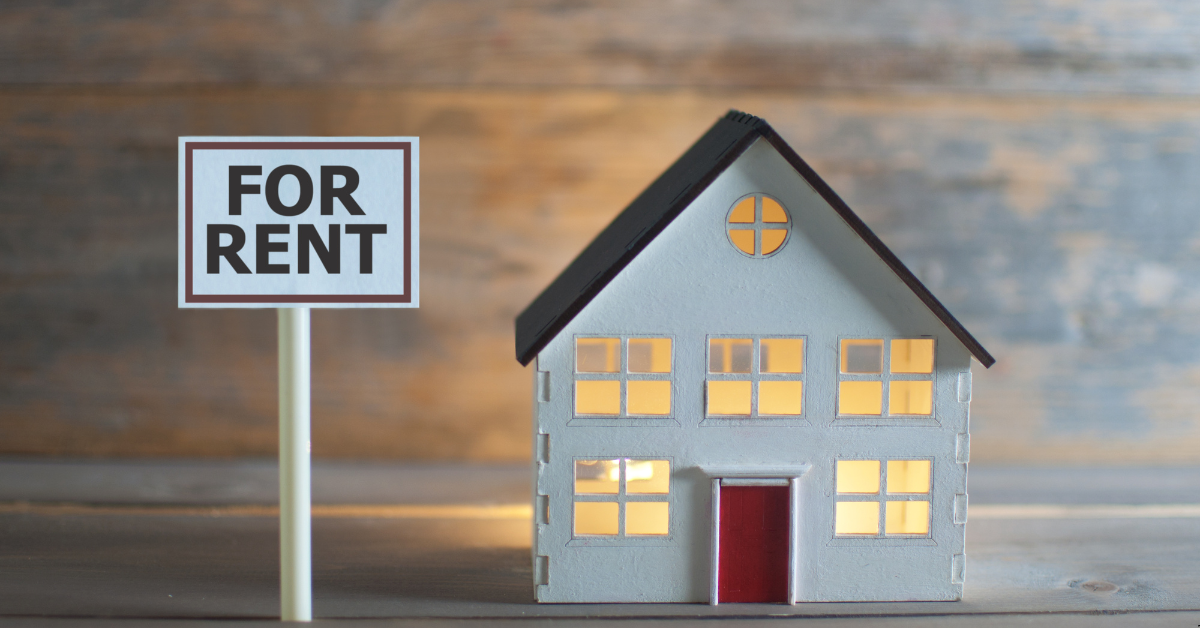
(1036, 163)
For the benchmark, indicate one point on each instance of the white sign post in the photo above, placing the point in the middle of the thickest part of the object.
(295, 223)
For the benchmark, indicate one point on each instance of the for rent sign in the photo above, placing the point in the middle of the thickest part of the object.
(298, 222)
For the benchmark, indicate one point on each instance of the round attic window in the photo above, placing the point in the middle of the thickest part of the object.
(758, 225)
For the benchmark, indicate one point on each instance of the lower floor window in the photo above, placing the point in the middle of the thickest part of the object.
(622, 497)
(905, 500)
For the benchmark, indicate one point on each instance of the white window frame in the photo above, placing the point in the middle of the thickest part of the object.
(621, 498)
(886, 376)
(622, 375)
(755, 376)
(882, 498)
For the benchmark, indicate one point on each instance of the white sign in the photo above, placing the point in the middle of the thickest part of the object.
(298, 222)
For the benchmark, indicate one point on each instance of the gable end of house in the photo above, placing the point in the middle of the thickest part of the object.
(635, 227)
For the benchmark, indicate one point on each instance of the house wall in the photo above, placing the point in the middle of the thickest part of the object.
(690, 282)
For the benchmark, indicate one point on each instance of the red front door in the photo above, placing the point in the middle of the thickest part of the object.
(753, 559)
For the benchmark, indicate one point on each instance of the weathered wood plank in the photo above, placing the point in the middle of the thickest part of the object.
(113, 563)
(1106, 46)
(1061, 231)
(226, 568)
(256, 482)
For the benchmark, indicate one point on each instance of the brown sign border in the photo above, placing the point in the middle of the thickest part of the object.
(405, 297)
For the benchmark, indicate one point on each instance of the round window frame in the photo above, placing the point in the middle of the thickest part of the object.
(760, 226)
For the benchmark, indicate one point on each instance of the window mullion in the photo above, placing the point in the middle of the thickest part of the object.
(621, 499)
(883, 495)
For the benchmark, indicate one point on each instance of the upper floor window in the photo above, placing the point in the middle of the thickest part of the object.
(755, 377)
(623, 376)
(906, 382)
(758, 225)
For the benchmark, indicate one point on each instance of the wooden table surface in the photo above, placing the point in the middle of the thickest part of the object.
(163, 542)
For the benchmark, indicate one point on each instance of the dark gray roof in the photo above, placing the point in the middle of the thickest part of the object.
(659, 204)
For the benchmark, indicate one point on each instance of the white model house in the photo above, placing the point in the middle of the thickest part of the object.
(741, 395)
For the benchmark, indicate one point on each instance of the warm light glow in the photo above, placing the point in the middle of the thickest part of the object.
(862, 356)
(906, 517)
(730, 355)
(649, 397)
(743, 212)
(596, 518)
(908, 476)
(597, 477)
(649, 355)
(860, 397)
(649, 518)
(781, 355)
(912, 355)
(758, 232)
(910, 397)
(772, 239)
(731, 398)
(772, 211)
(598, 397)
(743, 239)
(647, 477)
(598, 355)
(780, 398)
(858, 477)
(852, 518)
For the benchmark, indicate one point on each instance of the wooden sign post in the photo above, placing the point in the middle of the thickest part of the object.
(296, 223)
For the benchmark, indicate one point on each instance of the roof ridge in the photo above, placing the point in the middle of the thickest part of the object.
(741, 117)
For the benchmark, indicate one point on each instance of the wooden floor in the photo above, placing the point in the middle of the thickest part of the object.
(449, 545)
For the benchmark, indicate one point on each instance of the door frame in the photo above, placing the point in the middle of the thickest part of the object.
(789, 477)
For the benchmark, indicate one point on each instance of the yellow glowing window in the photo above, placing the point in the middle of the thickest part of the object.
(598, 397)
(858, 477)
(743, 212)
(912, 355)
(597, 477)
(730, 355)
(648, 477)
(772, 239)
(743, 239)
(623, 492)
(863, 378)
(758, 225)
(856, 397)
(650, 518)
(628, 377)
(729, 397)
(905, 504)
(649, 355)
(862, 356)
(910, 397)
(908, 476)
(597, 355)
(596, 518)
(856, 518)
(907, 517)
(766, 377)
(772, 211)
(781, 355)
(649, 397)
(780, 398)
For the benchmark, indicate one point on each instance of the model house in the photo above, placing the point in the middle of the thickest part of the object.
(741, 395)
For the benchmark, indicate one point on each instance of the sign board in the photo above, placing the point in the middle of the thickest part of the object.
(298, 222)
